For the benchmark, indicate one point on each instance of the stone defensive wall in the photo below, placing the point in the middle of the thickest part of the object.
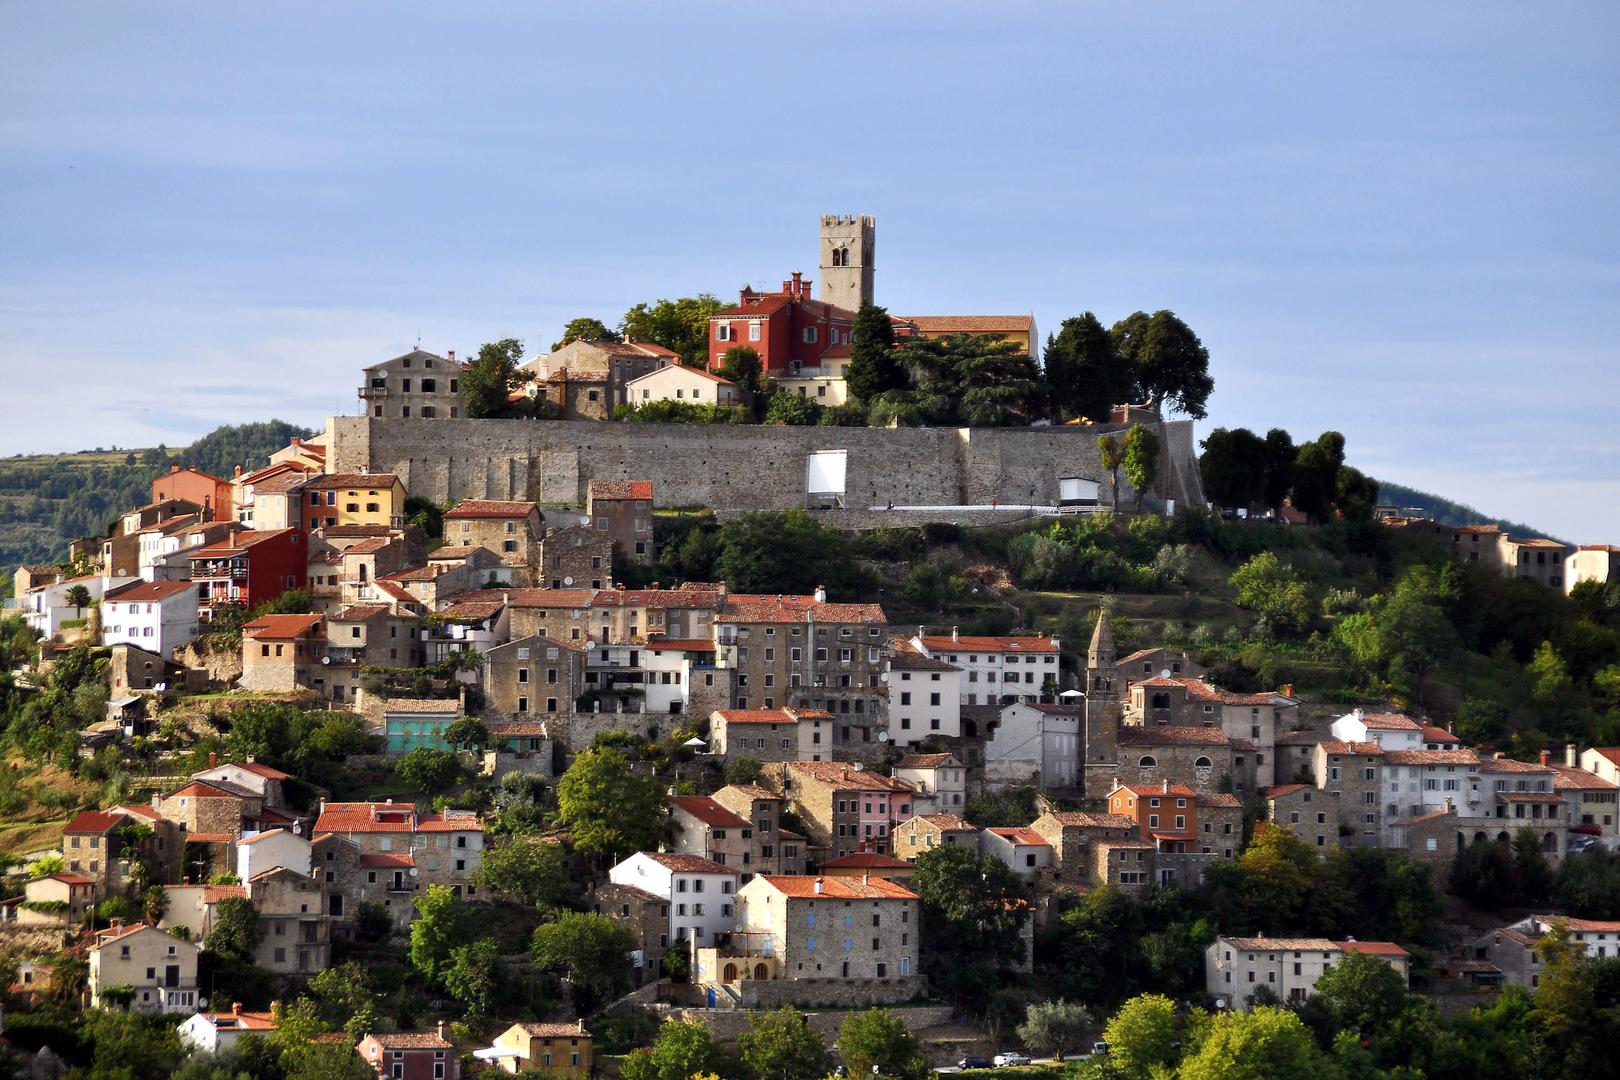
(748, 467)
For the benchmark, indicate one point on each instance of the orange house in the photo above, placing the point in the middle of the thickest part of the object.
(214, 494)
(1165, 813)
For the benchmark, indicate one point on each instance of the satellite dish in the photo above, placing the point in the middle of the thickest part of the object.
(413, 871)
(568, 581)
(584, 519)
(1165, 674)
(326, 659)
(883, 736)
(202, 1003)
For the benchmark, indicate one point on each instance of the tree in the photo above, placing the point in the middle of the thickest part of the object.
(683, 1050)
(1113, 456)
(1233, 467)
(440, 926)
(476, 975)
(742, 366)
(467, 732)
(610, 808)
(1142, 1036)
(531, 871)
(788, 553)
(1262, 1044)
(1141, 460)
(1364, 993)
(489, 381)
(1278, 478)
(680, 325)
(1272, 588)
(963, 380)
(1166, 360)
(792, 410)
(302, 1057)
(1530, 866)
(591, 951)
(876, 1037)
(236, 932)
(784, 1045)
(79, 597)
(1316, 476)
(743, 770)
(428, 770)
(972, 908)
(873, 367)
(1055, 1027)
(1480, 721)
(584, 329)
(1085, 375)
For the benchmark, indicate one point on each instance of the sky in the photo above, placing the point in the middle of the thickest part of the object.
(1393, 220)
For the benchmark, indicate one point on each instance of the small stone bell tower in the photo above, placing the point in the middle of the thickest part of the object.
(848, 248)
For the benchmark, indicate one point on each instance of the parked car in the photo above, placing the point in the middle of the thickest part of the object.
(974, 1063)
(1582, 843)
(1011, 1057)
(1099, 1048)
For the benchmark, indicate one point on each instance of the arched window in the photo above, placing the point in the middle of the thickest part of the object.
(1203, 763)
(838, 257)
(1147, 762)
(844, 255)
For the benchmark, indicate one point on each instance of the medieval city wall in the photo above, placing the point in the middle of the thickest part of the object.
(741, 467)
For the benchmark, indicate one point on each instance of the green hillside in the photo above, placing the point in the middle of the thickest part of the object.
(46, 500)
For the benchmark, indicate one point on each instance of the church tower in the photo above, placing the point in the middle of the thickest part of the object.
(848, 246)
(1104, 710)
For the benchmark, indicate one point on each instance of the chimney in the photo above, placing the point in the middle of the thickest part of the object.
(1450, 806)
(213, 759)
(1167, 786)
(238, 472)
(581, 1023)
(821, 594)
(451, 353)
(1288, 689)
(444, 1031)
(174, 467)
(956, 634)
(1546, 758)
(818, 886)
(236, 1008)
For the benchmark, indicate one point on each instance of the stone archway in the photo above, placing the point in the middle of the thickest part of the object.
(761, 971)
(729, 974)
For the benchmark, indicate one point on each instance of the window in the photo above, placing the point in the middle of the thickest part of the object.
(722, 331)
(754, 331)
(810, 334)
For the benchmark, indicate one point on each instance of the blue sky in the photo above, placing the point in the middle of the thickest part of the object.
(1393, 220)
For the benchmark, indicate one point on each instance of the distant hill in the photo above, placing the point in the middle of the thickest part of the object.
(47, 500)
(1450, 513)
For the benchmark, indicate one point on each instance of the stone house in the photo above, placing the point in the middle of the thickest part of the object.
(548, 1048)
(1306, 812)
(1510, 954)
(623, 509)
(1024, 851)
(1350, 774)
(96, 844)
(1073, 834)
(867, 864)
(511, 530)
(269, 784)
(297, 933)
(853, 940)
(804, 652)
(415, 386)
(749, 838)
(444, 848)
(997, 670)
(161, 970)
(281, 652)
(1199, 757)
(1252, 719)
(645, 914)
(1235, 967)
(1296, 757)
(1147, 663)
(533, 674)
(778, 850)
(1430, 839)
(844, 808)
(768, 734)
(574, 557)
(1590, 800)
(925, 832)
(57, 900)
(335, 863)
(216, 807)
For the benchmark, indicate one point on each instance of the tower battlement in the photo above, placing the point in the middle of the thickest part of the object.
(848, 255)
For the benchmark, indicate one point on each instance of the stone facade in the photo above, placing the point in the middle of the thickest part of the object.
(417, 386)
(297, 932)
(532, 675)
(1307, 812)
(575, 557)
(624, 510)
(1350, 774)
(645, 915)
(747, 467)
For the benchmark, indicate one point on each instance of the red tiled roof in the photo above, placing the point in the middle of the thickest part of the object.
(384, 860)
(353, 480)
(409, 1040)
(752, 608)
(1584, 926)
(213, 894)
(1434, 733)
(1339, 746)
(534, 598)
(243, 542)
(947, 822)
(241, 1021)
(970, 324)
(93, 822)
(1510, 765)
(1144, 790)
(1284, 789)
(1024, 837)
(925, 761)
(1219, 800)
(708, 811)
(1390, 722)
(490, 508)
(554, 1031)
(422, 705)
(1430, 757)
(1085, 820)
(1172, 735)
(840, 775)
(865, 860)
(680, 644)
(621, 489)
(146, 592)
(281, 626)
(756, 716)
(360, 612)
(67, 878)
(1545, 797)
(807, 887)
(1372, 948)
(1566, 778)
(687, 864)
(1025, 643)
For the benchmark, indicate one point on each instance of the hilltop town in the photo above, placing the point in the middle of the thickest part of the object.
(633, 712)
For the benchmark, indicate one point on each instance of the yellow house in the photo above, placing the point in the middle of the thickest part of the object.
(560, 1048)
(354, 499)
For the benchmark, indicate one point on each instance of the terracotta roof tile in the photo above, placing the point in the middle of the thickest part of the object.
(1430, 757)
(490, 508)
(353, 480)
(1339, 746)
(281, 626)
(1022, 643)
(708, 811)
(621, 489)
(1172, 735)
(865, 860)
(846, 777)
(1023, 837)
(925, 761)
(687, 864)
(809, 887)
(749, 608)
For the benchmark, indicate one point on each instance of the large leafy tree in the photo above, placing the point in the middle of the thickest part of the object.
(476, 976)
(610, 807)
(874, 368)
(1055, 1027)
(792, 410)
(1166, 360)
(789, 553)
(591, 951)
(1233, 467)
(440, 926)
(428, 770)
(1084, 373)
(1363, 993)
(1112, 455)
(784, 1045)
(490, 379)
(741, 364)
(680, 325)
(964, 379)
(1264, 1044)
(531, 871)
(1143, 1036)
(236, 932)
(878, 1038)
(972, 908)
(1278, 478)
(584, 329)
(1316, 476)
